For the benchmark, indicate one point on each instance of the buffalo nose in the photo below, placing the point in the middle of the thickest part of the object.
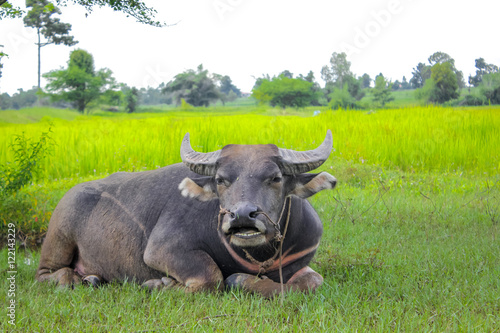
(246, 211)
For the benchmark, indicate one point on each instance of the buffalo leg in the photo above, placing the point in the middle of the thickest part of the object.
(191, 270)
(303, 280)
(58, 252)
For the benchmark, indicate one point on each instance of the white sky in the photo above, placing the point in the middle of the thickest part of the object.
(244, 38)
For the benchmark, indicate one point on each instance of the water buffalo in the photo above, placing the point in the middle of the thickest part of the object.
(236, 217)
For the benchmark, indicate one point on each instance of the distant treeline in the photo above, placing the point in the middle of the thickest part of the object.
(438, 82)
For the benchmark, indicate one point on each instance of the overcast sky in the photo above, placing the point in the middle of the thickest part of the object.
(247, 38)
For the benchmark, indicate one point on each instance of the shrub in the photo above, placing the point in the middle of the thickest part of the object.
(27, 157)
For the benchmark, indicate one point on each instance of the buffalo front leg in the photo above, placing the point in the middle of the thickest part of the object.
(55, 260)
(192, 270)
(304, 280)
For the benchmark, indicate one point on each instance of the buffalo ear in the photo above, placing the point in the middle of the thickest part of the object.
(200, 188)
(308, 184)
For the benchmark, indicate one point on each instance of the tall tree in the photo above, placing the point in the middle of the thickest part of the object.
(446, 82)
(80, 83)
(40, 17)
(228, 92)
(442, 85)
(420, 74)
(382, 91)
(339, 70)
(441, 57)
(195, 87)
(482, 68)
(366, 81)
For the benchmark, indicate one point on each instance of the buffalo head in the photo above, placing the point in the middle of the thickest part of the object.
(252, 182)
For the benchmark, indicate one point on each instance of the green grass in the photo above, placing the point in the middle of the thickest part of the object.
(411, 233)
(410, 139)
(31, 115)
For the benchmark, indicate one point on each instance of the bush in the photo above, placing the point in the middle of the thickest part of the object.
(490, 87)
(341, 98)
(285, 92)
(27, 155)
(473, 100)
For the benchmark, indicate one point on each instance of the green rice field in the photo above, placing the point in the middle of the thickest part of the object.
(411, 237)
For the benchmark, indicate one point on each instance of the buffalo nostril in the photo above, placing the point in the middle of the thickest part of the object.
(245, 212)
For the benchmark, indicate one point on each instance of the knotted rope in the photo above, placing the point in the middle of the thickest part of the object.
(278, 237)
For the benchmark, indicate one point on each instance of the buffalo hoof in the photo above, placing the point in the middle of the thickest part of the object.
(163, 283)
(241, 280)
(92, 280)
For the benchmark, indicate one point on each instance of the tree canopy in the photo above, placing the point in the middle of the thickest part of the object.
(195, 87)
(40, 17)
(482, 68)
(339, 70)
(284, 91)
(79, 83)
(382, 91)
(134, 8)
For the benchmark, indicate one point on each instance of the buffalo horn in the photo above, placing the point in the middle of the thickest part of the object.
(201, 163)
(295, 162)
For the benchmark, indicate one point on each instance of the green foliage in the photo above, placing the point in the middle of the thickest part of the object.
(341, 99)
(440, 58)
(55, 32)
(154, 96)
(21, 99)
(9, 11)
(421, 73)
(40, 18)
(482, 69)
(134, 8)
(474, 100)
(490, 87)
(79, 83)
(196, 87)
(339, 70)
(1, 65)
(284, 92)
(424, 94)
(441, 87)
(132, 98)
(365, 81)
(446, 84)
(382, 91)
(28, 156)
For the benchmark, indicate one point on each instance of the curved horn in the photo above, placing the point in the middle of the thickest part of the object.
(294, 162)
(201, 163)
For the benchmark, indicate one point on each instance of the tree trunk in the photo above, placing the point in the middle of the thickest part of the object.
(39, 47)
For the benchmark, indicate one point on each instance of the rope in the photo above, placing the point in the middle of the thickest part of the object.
(278, 237)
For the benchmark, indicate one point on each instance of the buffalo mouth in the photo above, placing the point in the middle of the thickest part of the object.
(245, 232)
(245, 236)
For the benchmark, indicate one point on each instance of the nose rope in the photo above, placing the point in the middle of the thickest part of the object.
(280, 238)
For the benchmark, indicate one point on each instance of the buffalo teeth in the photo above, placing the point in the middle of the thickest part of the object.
(247, 235)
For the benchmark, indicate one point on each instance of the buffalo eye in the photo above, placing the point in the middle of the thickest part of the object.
(221, 181)
(277, 179)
